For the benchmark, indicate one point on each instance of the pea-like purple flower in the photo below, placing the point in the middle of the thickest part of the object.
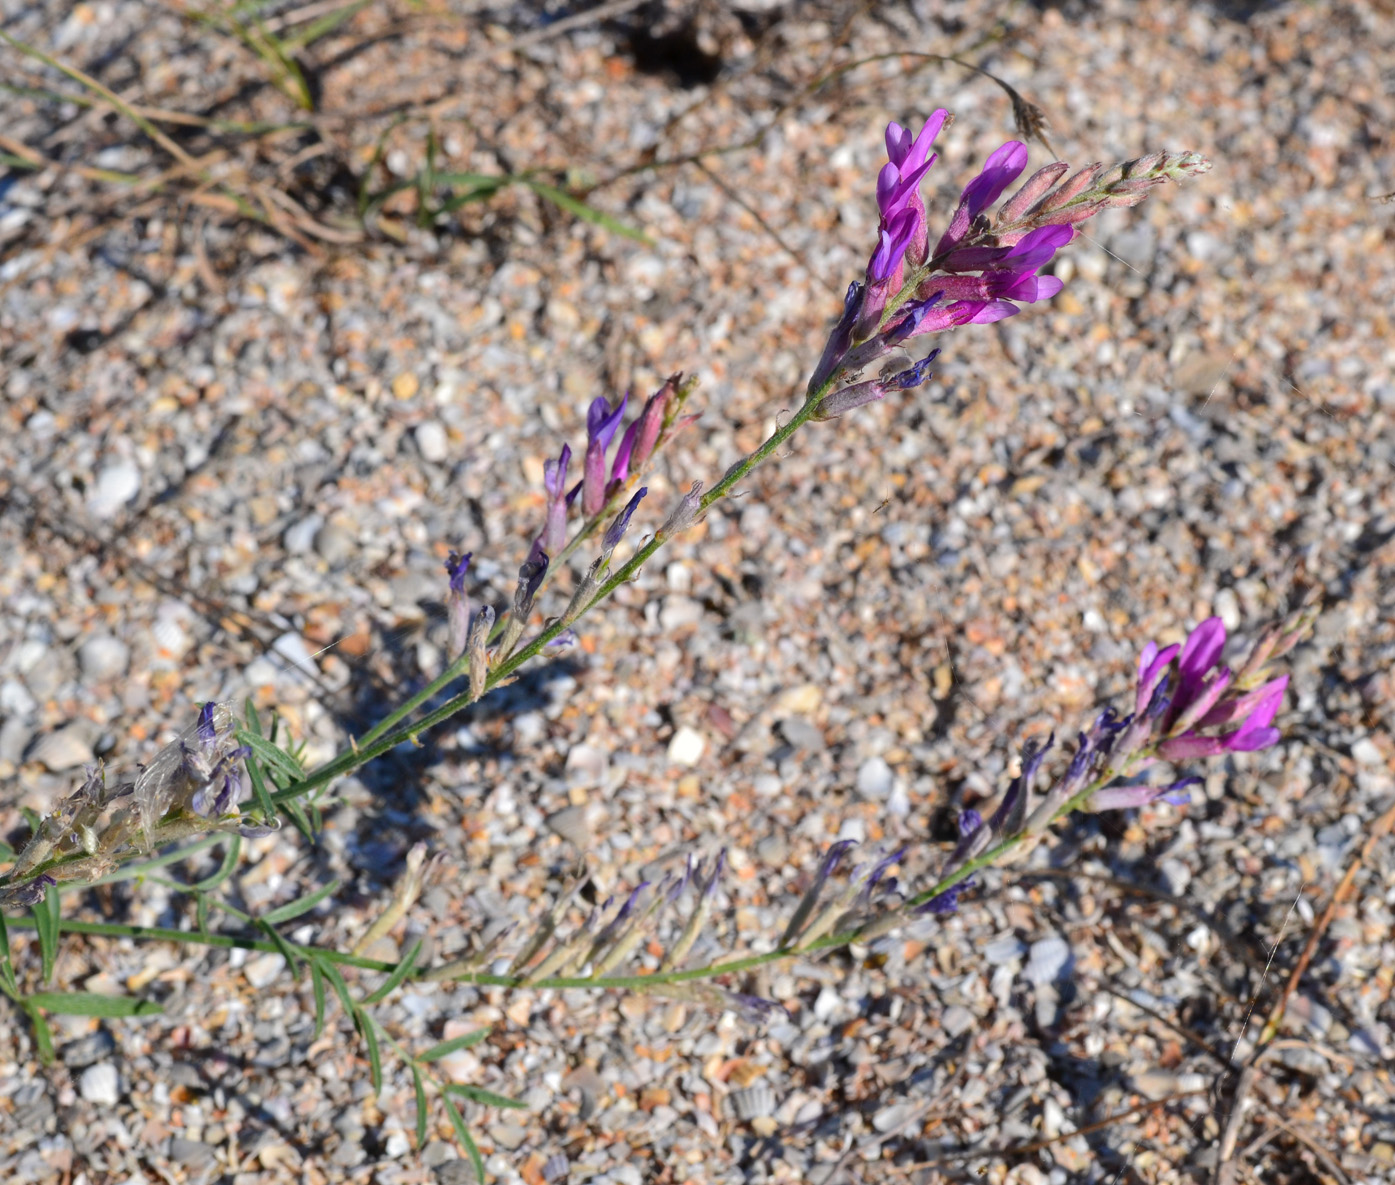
(601, 422)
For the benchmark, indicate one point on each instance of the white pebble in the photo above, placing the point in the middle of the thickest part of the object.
(686, 746)
(1049, 960)
(117, 484)
(874, 778)
(101, 1084)
(262, 971)
(432, 441)
(103, 656)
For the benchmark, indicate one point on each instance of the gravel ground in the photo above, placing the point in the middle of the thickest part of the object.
(234, 460)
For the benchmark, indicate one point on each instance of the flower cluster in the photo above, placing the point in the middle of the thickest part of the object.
(603, 481)
(979, 271)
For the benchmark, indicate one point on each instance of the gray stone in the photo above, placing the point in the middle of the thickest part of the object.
(300, 536)
(334, 543)
(1049, 960)
(193, 1153)
(508, 1135)
(87, 1050)
(874, 779)
(103, 656)
(68, 748)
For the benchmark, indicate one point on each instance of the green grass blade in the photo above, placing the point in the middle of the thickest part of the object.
(341, 989)
(317, 983)
(402, 970)
(467, 1141)
(436, 1052)
(369, 1033)
(323, 26)
(7, 971)
(46, 926)
(225, 870)
(477, 1094)
(93, 1004)
(293, 909)
(419, 1089)
(587, 213)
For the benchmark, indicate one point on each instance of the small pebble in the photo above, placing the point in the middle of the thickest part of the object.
(686, 746)
(432, 441)
(100, 1084)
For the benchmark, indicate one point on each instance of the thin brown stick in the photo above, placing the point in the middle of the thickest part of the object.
(1381, 828)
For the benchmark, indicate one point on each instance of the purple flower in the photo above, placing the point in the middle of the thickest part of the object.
(1199, 654)
(530, 578)
(839, 340)
(999, 171)
(1257, 731)
(948, 901)
(1119, 798)
(554, 534)
(616, 531)
(861, 394)
(1153, 666)
(457, 602)
(601, 423)
(651, 420)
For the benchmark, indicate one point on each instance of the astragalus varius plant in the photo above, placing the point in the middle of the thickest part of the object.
(224, 778)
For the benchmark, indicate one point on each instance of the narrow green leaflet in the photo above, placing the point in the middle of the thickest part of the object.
(7, 971)
(46, 924)
(254, 769)
(287, 950)
(276, 758)
(419, 1089)
(317, 982)
(201, 913)
(368, 1030)
(467, 1141)
(225, 870)
(323, 26)
(403, 969)
(436, 1052)
(336, 981)
(293, 909)
(477, 1094)
(586, 213)
(93, 1004)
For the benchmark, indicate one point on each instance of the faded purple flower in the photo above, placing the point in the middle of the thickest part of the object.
(1118, 798)
(999, 171)
(457, 602)
(616, 531)
(554, 534)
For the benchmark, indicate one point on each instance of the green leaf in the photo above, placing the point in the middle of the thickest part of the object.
(293, 909)
(398, 974)
(317, 982)
(287, 951)
(587, 213)
(302, 824)
(46, 924)
(368, 1031)
(201, 913)
(467, 1141)
(436, 1052)
(341, 989)
(225, 870)
(276, 758)
(477, 1094)
(324, 26)
(7, 971)
(420, 1090)
(93, 1004)
(6, 852)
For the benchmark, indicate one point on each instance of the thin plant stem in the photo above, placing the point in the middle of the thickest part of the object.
(366, 750)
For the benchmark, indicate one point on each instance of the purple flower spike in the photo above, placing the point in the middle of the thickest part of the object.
(601, 422)
(999, 171)
(616, 531)
(208, 733)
